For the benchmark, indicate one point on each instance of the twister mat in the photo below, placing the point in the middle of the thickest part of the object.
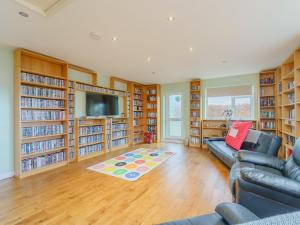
(132, 165)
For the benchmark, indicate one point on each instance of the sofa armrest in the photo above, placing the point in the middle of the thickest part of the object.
(216, 139)
(261, 159)
(271, 181)
(234, 213)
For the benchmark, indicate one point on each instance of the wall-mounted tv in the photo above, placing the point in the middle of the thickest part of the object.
(101, 105)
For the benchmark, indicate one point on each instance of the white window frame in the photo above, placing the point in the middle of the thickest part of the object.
(232, 106)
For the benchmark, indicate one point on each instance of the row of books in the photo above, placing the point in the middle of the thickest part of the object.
(137, 114)
(42, 130)
(83, 151)
(119, 126)
(195, 96)
(108, 133)
(151, 92)
(195, 140)
(137, 90)
(137, 139)
(152, 98)
(42, 161)
(195, 114)
(41, 103)
(195, 106)
(265, 102)
(42, 92)
(291, 98)
(137, 97)
(91, 139)
(42, 146)
(268, 125)
(34, 78)
(152, 114)
(71, 113)
(195, 131)
(267, 114)
(151, 121)
(137, 108)
(151, 106)
(290, 140)
(36, 115)
(118, 142)
(195, 87)
(195, 123)
(292, 114)
(119, 134)
(136, 122)
(268, 80)
(291, 84)
(91, 88)
(72, 153)
(90, 130)
(151, 128)
(137, 103)
(280, 87)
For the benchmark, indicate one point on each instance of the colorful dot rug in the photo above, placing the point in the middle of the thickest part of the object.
(132, 165)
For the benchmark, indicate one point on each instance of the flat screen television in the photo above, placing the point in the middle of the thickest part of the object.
(101, 105)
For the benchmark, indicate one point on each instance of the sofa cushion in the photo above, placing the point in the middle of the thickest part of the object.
(224, 149)
(209, 219)
(237, 134)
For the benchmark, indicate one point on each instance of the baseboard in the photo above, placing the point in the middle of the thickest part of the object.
(6, 175)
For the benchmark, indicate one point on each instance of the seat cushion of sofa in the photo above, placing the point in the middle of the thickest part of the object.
(224, 149)
(238, 166)
(210, 219)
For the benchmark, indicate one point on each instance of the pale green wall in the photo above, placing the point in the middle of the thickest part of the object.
(6, 112)
(239, 80)
(184, 89)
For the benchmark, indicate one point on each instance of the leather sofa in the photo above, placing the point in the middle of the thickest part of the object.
(265, 184)
(230, 213)
(267, 143)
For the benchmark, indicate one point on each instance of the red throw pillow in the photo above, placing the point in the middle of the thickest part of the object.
(237, 134)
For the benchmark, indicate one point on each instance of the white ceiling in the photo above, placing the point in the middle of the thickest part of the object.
(248, 35)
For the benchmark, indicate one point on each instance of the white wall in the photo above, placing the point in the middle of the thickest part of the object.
(6, 112)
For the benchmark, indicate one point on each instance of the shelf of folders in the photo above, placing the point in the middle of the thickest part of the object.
(90, 137)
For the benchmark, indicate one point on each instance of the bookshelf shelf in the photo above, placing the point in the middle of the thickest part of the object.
(40, 81)
(90, 138)
(195, 114)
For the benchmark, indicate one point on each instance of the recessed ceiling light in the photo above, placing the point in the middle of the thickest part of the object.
(24, 14)
(171, 18)
(148, 59)
(114, 38)
(153, 73)
(223, 61)
(191, 49)
(94, 36)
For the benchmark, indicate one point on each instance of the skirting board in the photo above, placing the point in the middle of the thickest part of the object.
(6, 175)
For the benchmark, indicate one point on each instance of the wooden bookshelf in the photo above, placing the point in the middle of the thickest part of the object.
(268, 101)
(138, 113)
(216, 128)
(41, 113)
(152, 93)
(288, 121)
(119, 131)
(71, 122)
(90, 138)
(195, 114)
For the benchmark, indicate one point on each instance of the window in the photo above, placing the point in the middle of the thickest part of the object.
(238, 98)
(174, 116)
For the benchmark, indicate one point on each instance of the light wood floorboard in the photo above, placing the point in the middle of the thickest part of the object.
(188, 184)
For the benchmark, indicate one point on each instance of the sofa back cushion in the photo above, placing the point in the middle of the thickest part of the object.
(237, 134)
(292, 167)
(268, 144)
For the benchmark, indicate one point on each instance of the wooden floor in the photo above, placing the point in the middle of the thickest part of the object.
(190, 183)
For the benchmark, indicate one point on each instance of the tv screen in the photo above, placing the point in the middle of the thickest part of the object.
(101, 105)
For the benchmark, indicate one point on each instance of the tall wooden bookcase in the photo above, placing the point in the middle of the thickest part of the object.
(195, 113)
(41, 113)
(268, 101)
(138, 110)
(153, 110)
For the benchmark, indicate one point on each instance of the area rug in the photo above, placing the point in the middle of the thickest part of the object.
(132, 165)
